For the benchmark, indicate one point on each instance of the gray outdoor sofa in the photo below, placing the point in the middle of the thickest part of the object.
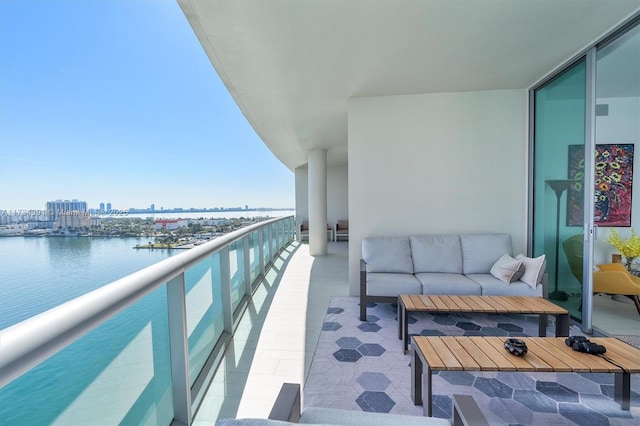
(287, 410)
(466, 264)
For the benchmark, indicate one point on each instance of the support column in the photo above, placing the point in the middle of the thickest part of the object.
(318, 202)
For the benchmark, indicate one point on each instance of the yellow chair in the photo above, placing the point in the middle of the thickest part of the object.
(613, 278)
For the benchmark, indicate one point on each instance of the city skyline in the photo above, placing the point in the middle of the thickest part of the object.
(108, 206)
(117, 102)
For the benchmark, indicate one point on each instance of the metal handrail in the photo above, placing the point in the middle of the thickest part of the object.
(28, 343)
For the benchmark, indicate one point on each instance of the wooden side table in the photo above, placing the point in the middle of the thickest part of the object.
(550, 354)
(486, 304)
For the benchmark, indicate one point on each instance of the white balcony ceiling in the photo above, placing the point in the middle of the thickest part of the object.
(292, 65)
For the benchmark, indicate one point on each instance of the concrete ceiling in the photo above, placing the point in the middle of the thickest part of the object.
(292, 65)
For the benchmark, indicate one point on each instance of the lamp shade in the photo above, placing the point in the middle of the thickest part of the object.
(560, 185)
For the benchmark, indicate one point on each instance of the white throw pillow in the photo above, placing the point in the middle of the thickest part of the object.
(507, 269)
(533, 269)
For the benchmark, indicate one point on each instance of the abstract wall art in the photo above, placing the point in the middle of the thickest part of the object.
(613, 184)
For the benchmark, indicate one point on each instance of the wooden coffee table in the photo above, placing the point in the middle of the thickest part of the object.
(474, 353)
(474, 304)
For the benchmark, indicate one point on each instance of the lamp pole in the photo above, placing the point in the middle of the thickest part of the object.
(558, 186)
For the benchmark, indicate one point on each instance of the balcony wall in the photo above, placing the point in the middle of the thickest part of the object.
(437, 163)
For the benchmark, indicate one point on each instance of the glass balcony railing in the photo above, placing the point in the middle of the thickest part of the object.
(142, 349)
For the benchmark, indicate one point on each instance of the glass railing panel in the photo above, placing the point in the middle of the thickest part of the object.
(265, 245)
(205, 321)
(254, 256)
(283, 232)
(236, 272)
(287, 230)
(119, 373)
(274, 239)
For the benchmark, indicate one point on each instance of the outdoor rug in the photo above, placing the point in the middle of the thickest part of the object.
(361, 366)
(631, 340)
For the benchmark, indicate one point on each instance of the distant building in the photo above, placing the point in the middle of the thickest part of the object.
(210, 222)
(23, 216)
(101, 207)
(170, 224)
(72, 220)
(58, 207)
(108, 208)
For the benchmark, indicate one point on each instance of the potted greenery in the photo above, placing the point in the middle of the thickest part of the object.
(629, 247)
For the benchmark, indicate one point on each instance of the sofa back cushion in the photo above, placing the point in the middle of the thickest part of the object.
(387, 254)
(481, 251)
(436, 253)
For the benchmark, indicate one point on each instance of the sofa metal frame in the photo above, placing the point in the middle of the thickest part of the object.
(287, 407)
(365, 298)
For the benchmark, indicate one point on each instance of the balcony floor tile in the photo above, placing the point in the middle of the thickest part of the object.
(282, 352)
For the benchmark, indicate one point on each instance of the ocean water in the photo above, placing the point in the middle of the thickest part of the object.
(37, 274)
(74, 386)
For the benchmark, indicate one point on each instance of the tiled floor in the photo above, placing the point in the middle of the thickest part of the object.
(615, 317)
(277, 336)
(612, 315)
(361, 366)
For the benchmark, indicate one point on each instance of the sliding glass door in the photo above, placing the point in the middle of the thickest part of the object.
(585, 125)
(617, 132)
(558, 183)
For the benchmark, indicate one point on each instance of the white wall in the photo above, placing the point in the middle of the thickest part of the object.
(437, 163)
(302, 195)
(337, 194)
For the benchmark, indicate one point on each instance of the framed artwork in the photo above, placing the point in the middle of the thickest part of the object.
(613, 184)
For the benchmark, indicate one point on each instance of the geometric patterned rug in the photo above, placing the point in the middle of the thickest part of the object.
(361, 366)
(632, 340)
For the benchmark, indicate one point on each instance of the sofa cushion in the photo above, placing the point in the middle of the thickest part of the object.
(507, 269)
(442, 283)
(533, 269)
(336, 416)
(480, 251)
(392, 284)
(491, 286)
(387, 254)
(436, 253)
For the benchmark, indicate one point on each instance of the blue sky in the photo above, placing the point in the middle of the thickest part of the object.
(115, 101)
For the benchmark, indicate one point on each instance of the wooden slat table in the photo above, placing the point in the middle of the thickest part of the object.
(481, 304)
(474, 353)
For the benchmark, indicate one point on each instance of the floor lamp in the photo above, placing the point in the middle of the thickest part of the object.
(558, 186)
